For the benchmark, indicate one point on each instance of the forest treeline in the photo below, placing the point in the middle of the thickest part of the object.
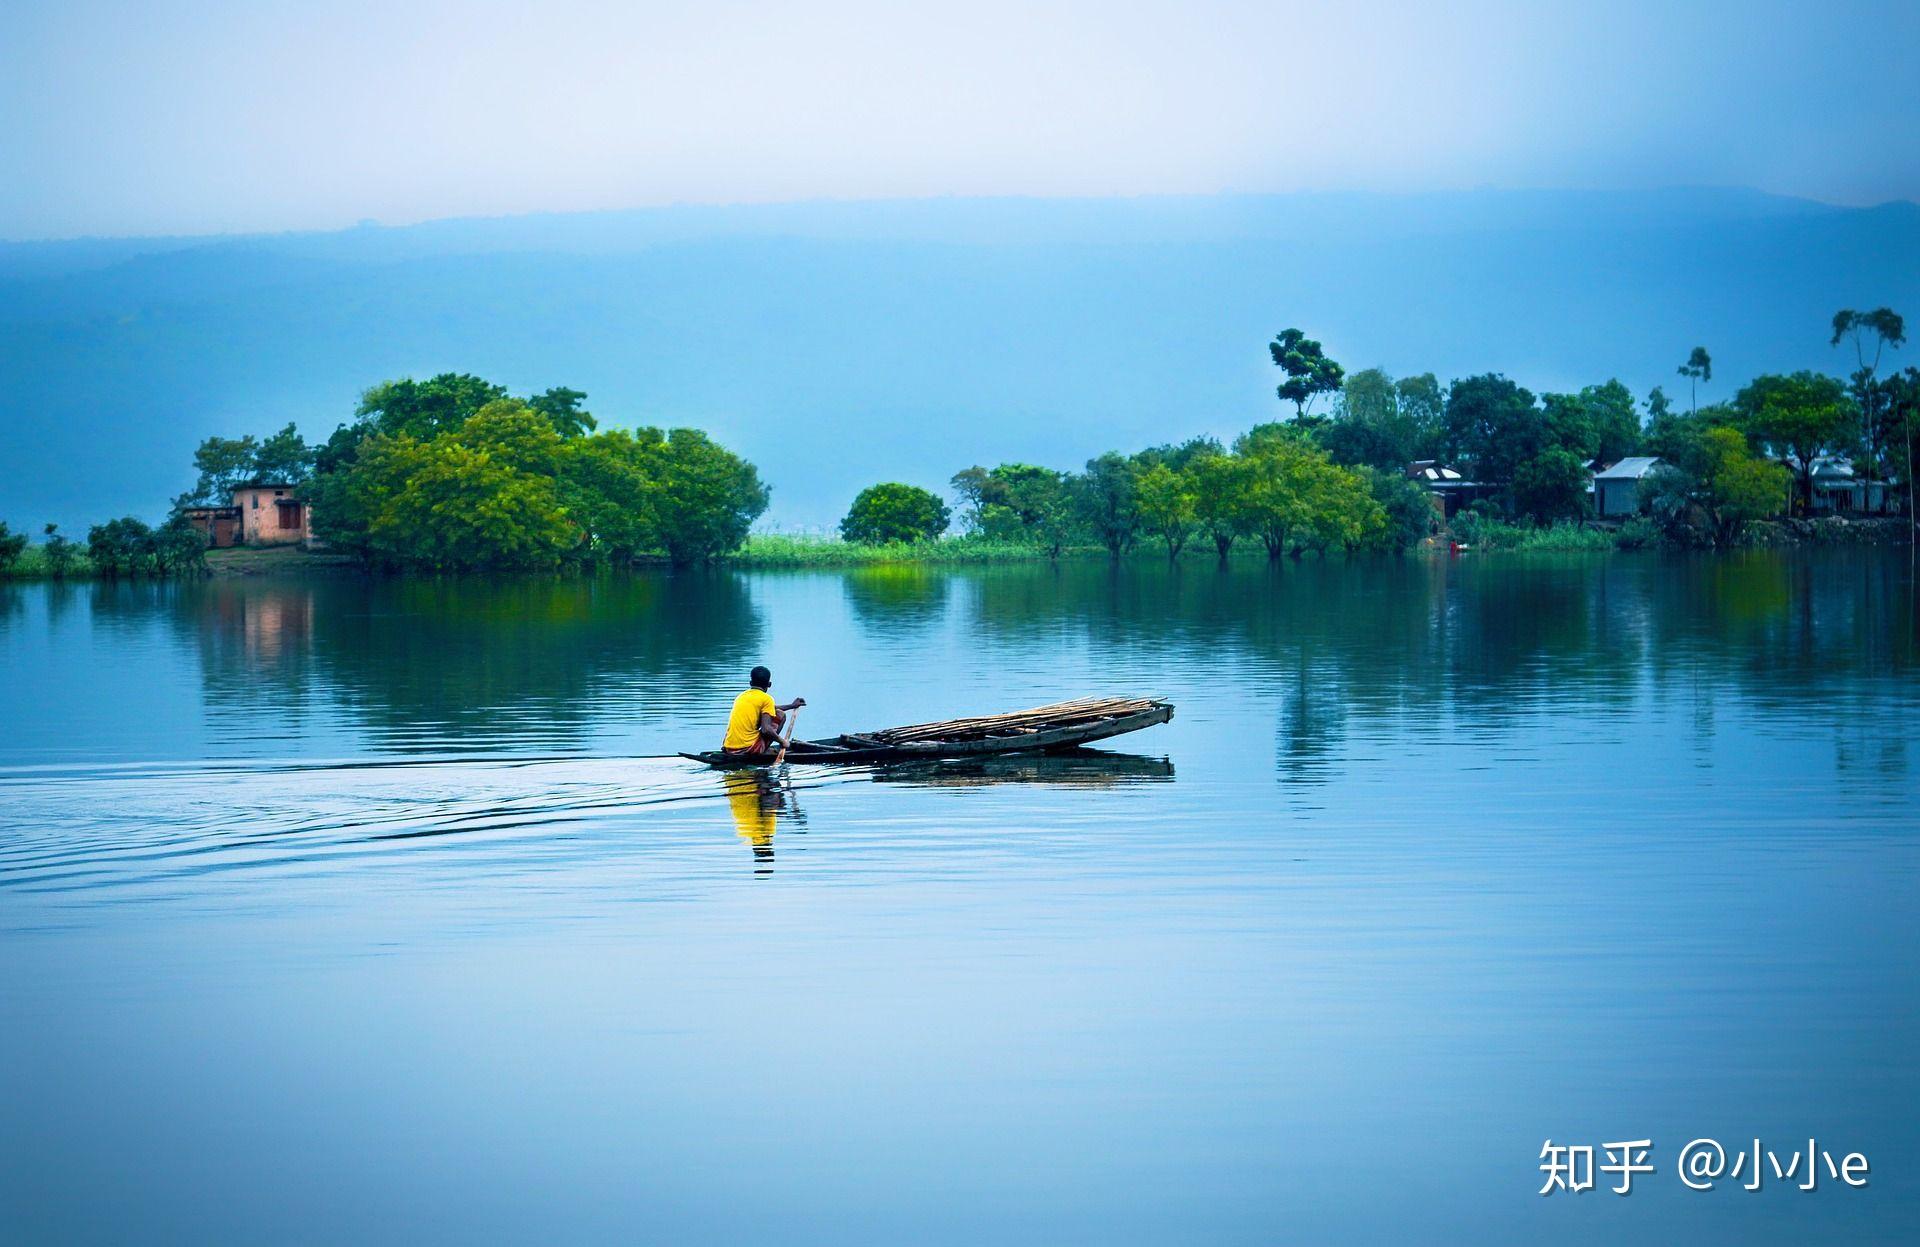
(454, 473)
(1339, 478)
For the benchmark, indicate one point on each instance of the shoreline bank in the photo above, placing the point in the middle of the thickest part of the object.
(788, 551)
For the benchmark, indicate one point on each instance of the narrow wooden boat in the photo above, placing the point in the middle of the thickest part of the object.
(1063, 725)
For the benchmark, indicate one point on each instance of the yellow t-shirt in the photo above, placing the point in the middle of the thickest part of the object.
(743, 725)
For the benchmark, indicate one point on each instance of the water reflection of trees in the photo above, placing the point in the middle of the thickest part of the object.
(1331, 650)
(1475, 642)
(439, 664)
(894, 595)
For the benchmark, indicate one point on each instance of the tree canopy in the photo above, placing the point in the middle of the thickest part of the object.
(1799, 418)
(454, 474)
(895, 512)
(1310, 373)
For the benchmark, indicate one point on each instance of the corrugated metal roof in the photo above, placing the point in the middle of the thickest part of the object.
(1628, 469)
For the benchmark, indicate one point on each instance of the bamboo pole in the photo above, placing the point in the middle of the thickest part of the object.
(1037, 718)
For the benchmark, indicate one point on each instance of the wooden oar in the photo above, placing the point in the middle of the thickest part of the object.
(786, 739)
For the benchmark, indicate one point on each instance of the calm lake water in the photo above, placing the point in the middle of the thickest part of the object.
(337, 911)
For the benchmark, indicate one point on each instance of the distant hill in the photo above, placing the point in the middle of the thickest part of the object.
(837, 344)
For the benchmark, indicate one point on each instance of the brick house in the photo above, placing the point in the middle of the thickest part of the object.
(261, 515)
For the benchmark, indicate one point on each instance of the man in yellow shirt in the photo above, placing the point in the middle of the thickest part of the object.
(754, 726)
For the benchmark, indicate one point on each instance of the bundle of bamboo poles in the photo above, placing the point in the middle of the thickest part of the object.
(1060, 714)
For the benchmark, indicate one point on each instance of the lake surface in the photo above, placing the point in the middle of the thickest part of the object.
(342, 911)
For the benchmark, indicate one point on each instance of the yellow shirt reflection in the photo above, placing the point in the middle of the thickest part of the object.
(755, 813)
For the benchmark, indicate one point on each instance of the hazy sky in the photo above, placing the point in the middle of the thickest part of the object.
(158, 116)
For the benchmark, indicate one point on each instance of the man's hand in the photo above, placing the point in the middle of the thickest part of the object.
(795, 704)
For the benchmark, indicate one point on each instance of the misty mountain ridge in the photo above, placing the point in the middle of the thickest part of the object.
(838, 344)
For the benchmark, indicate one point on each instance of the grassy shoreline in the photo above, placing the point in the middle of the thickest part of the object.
(809, 550)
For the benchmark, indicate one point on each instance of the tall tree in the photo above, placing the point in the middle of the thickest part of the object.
(610, 487)
(1219, 490)
(1902, 394)
(424, 408)
(1494, 425)
(1423, 403)
(224, 463)
(1551, 486)
(1698, 368)
(1108, 495)
(1799, 418)
(1369, 425)
(1166, 504)
(709, 497)
(1712, 469)
(1883, 327)
(563, 406)
(1616, 425)
(1309, 372)
(283, 459)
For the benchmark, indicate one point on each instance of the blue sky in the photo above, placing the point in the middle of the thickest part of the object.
(160, 116)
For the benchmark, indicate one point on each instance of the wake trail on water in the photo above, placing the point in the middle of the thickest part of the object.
(75, 827)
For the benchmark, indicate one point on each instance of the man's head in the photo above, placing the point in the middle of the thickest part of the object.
(760, 678)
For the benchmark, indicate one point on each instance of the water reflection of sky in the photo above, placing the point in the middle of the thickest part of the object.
(369, 911)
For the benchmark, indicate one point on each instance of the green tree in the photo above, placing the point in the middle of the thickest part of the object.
(512, 432)
(609, 485)
(1883, 327)
(12, 546)
(1369, 425)
(1423, 403)
(709, 497)
(1798, 418)
(1341, 510)
(282, 459)
(1611, 421)
(895, 512)
(422, 409)
(1493, 425)
(1551, 486)
(446, 505)
(179, 548)
(59, 551)
(1698, 368)
(1718, 474)
(1108, 502)
(121, 547)
(1219, 498)
(1406, 509)
(1597, 423)
(1902, 394)
(1309, 372)
(454, 474)
(1166, 502)
(224, 463)
(564, 408)
(1293, 496)
(1020, 502)
(480, 494)
(1739, 486)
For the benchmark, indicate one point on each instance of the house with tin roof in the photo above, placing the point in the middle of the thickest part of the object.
(1616, 490)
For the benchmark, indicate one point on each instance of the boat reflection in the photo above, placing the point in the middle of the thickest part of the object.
(759, 797)
(1068, 768)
